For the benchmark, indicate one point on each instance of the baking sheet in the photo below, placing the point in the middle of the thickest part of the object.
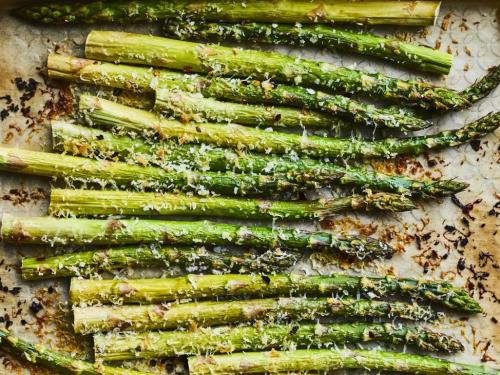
(429, 247)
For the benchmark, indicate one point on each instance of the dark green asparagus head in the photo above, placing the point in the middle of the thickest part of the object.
(439, 292)
(369, 202)
(434, 341)
(484, 86)
(383, 202)
(442, 188)
(477, 129)
(362, 247)
(450, 296)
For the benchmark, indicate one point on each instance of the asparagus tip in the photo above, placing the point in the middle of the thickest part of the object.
(436, 342)
(387, 202)
(484, 86)
(479, 128)
(362, 247)
(466, 303)
(443, 188)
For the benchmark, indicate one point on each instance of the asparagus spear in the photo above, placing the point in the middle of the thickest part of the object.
(324, 360)
(138, 177)
(130, 345)
(107, 113)
(416, 13)
(89, 263)
(336, 105)
(194, 107)
(194, 286)
(217, 60)
(321, 36)
(60, 363)
(143, 79)
(92, 202)
(210, 313)
(66, 231)
(88, 142)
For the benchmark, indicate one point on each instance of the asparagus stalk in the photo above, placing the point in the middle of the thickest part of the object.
(90, 263)
(60, 363)
(217, 60)
(416, 13)
(321, 36)
(126, 346)
(107, 113)
(105, 203)
(125, 175)
(71, 231)
(194, 107)
(88, 142)
(210, 313)
(196, 286)
(143, 79)
(324, 360)
(336, 105)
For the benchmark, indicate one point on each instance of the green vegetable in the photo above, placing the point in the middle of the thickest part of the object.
(210, 313)
(105, 203)
(324, 360)
(90, 263)
(416, 13)
(130, 345)
(197, 286)
(321, 36)
(71, 231)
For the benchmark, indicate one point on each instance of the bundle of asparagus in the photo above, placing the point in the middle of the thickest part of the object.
(417, 13)
(301, 360)
(185, 156)
(94, 143)
(217, 60)
(107, 113)
(249, 91)
(164, 81)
